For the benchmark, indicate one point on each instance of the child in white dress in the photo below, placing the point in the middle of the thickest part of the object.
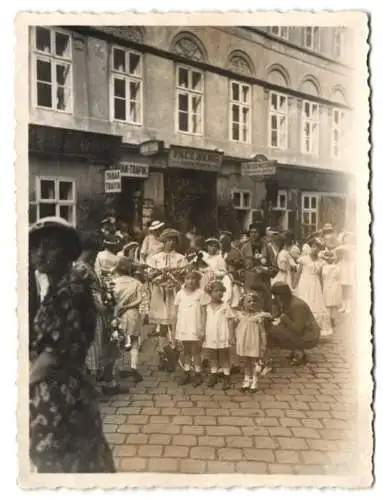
(188, 326)
(308, 286)
(128, 295)
(332, 289)
(219, 333)
(251, 338)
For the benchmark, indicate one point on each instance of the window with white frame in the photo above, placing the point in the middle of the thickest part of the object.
(309, 213)
(281, 199)
(241, 199)
(190, 97)
(52, 69)
(280, 31)
(55, 197)
(311, 37)
(240, 112)
(310, 128)
(337, 128)
(338, 43)
(278, 121)
(126, 85)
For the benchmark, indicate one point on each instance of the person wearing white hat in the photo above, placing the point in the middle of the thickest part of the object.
(152, 243)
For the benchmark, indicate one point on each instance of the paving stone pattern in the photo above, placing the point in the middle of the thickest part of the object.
(299, 422)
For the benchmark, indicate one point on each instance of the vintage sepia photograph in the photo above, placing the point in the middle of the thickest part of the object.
(193, 225)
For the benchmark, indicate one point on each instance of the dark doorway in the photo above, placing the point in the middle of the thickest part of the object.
(191, 200)
(128, 203)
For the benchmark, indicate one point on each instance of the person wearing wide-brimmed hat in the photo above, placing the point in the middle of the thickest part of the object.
(62, 438)
(164, 268)
(152, 243)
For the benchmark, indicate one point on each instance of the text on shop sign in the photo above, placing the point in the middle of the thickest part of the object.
(194, 159)
(134, 170)
(112, 181)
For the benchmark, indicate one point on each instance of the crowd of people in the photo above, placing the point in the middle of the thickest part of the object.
(215, 305)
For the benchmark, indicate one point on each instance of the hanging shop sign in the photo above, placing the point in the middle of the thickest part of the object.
(260, 167)
(195, 159)
(151, 148)
(112, 181)
(130, 169)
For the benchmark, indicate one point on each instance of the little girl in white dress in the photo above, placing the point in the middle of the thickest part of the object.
(308, 286)
(188, 326)
(219, 333)
(251, 338)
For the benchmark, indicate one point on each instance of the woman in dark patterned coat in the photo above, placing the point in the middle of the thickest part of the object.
(65, 425)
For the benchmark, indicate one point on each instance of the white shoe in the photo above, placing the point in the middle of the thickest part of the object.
(254, 384)
(245, 384)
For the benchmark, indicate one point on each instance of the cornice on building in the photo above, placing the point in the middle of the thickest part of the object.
(92, 31)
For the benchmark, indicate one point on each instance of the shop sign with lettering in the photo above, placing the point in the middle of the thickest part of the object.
(151, 148)
(112, 181)
(259, 167)
(195, 159)
(134, 170)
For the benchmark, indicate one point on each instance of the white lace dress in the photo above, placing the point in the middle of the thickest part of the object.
(309, 289)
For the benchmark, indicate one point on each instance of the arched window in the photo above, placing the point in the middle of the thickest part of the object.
(310, 86)
(279, 76)
(189, 47)
(239, 63)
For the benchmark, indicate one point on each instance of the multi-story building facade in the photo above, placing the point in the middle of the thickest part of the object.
(208, 99)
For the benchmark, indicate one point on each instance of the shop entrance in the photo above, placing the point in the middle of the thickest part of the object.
(191, 200)
(129, 202)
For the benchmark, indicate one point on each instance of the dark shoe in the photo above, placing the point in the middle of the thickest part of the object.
(185, 379)
(205, 364)
(213, 379)
(300, 360)
(197, 380)
(114, 390)
(226, 382)
(162, 363)
(137, 377)
(234, 370)
(124, 373)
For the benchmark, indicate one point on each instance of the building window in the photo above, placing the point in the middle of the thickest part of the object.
(338, 43)
(54, 197)
(311, 38)
(190, 87)
(52, 69)
(309, 213)
(126, 85)
(310, 128)
(278, 120)
(241, 199)
(337, 126)
(240, 112)
(281, 199)
(280, 31)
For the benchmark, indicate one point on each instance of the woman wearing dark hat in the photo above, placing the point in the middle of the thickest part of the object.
(64, 420)
(295, 328)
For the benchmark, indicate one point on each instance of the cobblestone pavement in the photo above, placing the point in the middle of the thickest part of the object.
(299, 422)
